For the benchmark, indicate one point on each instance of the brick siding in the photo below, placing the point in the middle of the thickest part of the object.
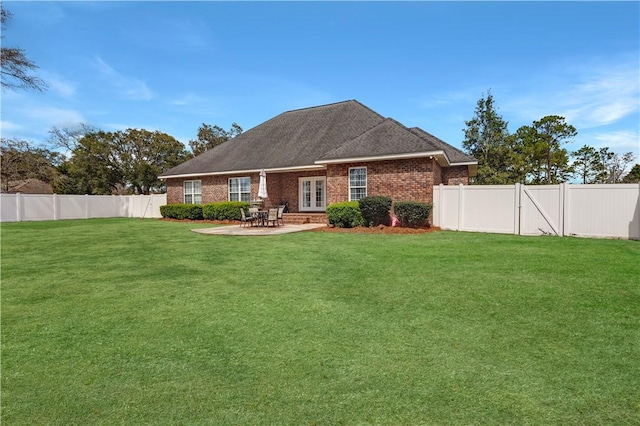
(402, 180)
(455, 175)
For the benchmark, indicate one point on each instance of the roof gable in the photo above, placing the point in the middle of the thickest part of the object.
(385, 139)
(310, 136)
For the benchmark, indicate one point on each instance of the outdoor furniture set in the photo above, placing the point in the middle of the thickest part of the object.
(260, 217)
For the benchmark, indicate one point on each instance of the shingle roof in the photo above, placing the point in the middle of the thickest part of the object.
(305, 136)
(454, 154)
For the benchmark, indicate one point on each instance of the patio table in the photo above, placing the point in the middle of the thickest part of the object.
(261, 216)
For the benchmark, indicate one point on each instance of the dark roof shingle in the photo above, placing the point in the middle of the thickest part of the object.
(299, 138)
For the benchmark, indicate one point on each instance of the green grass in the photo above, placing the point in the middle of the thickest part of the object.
(125, 321)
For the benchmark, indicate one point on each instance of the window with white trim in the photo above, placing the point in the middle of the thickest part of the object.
(357, 183)
(240, 189)
(192, 191)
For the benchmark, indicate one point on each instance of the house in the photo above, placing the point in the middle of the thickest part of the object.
(29, 186)
(321, 155)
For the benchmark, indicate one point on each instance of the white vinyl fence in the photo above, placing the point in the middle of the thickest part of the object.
(35, 207)
(603, 211)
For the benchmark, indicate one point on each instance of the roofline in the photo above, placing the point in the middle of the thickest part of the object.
(439, 153)
(309, 167)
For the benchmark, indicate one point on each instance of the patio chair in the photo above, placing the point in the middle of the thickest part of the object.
(280, 212)
(273, 217)
(244, 219)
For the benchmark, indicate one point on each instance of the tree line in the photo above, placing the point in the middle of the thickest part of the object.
(534, 154)
(87, 160)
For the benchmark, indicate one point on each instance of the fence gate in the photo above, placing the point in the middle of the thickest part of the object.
(598, 210)
(540, 209)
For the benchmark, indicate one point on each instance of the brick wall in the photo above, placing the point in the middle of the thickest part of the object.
(402, 180)
(280, 187)
(455, 175)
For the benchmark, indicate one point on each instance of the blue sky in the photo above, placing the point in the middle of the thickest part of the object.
(171, 66)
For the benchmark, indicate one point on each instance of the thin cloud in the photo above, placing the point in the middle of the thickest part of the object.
(55, 116)
(620, 141)
(588, 97)
(129, 87)
(59, 85)
(8, 126)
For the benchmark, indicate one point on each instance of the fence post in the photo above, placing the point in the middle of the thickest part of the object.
(441, 203)
(516, 209)
(18, 207)
(86, 206)
(522, 210)
(562, 191)
(460, 207)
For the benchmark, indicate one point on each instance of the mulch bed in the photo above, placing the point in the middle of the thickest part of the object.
(359, 230)
(377, 230)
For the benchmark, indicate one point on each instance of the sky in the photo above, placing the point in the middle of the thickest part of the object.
(171, 66)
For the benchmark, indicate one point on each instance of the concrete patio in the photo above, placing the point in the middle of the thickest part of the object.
(258, 230)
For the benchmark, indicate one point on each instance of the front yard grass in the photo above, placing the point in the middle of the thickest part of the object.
(128, 321)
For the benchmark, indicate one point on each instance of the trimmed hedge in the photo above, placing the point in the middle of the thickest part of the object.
(376, 210)
(182, 211)
(345, 215)
(224, 210)
(412, 214)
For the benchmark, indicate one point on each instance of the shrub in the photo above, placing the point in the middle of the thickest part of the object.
(345, 215)
(376, 210)
(224, 210)
(412, 214)
(182, 211)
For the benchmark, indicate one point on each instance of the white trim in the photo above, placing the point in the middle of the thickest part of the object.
(239, 187)
(312, 179)
(310, 167)
(366, 180)
(386, 157)
(192, 193)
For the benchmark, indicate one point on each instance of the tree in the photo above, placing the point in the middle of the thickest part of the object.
(67, 138)
(615, 165)
(15, 66)
(211, 136)
(109, 162)
(144, 155)
(587, 165)
(487, 139)
(633, 176)
(541, 143)
(20, 160)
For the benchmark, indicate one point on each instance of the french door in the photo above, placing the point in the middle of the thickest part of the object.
(313, 194)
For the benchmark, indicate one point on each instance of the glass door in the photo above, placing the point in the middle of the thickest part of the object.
(312, 193)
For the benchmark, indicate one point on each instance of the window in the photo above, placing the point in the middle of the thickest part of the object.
(192, 192)
(357, 183)
(240, 189)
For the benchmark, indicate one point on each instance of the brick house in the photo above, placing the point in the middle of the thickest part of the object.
(321, 155)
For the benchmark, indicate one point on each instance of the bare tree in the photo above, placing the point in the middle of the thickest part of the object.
(15, 66)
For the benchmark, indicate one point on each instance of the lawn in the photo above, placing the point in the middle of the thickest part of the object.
(129, 321)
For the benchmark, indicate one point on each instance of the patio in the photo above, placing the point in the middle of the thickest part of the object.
(258, 230)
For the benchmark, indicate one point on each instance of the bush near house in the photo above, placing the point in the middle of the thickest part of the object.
(224, 210)
(182, 211)
(345, 215)
(376, 210)
(412, 214)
